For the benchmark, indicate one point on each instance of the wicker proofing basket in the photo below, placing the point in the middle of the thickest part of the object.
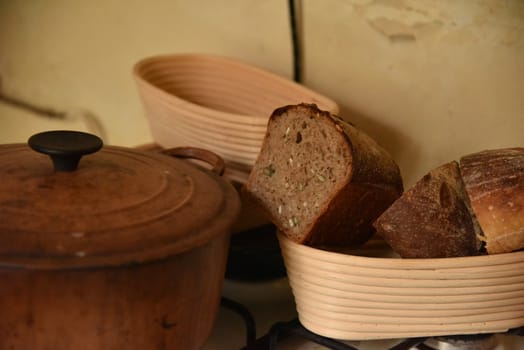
(214, 102)
(352, 297)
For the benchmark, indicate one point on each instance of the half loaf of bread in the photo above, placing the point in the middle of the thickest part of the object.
(321, 180)
(494, 180)
(432, 219)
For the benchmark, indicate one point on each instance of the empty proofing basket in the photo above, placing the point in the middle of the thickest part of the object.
(213, 102)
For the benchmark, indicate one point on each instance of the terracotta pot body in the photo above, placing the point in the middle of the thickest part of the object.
(126, 251)
(170, 304)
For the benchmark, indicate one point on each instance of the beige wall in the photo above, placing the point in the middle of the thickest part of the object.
(429, 79)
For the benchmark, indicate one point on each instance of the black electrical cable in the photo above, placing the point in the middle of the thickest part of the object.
(297, 59)
(248, 318)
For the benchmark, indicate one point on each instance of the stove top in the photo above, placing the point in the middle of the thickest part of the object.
(276, 339)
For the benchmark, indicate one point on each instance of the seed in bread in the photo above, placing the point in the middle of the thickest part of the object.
(321, 180)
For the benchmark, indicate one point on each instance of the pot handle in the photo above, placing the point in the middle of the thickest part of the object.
(217, 163)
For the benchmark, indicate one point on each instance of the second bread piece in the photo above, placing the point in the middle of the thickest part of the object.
(321, 180)
(433, 219)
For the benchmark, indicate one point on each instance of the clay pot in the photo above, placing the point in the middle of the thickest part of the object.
(127, 251)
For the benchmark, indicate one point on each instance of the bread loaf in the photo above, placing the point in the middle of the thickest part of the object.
(321, 180)
(494, 180)
(432, 219)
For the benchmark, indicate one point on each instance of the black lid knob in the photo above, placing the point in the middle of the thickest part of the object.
(65, 147)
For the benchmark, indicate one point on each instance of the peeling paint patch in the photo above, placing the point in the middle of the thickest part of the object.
(393, 30)
(397, 31)
(402, 38)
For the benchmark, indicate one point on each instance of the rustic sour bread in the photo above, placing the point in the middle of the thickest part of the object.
(460, 209)
(321, 180)
(433, 219)
(494, 180)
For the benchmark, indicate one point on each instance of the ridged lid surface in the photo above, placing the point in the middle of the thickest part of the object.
(120, 206)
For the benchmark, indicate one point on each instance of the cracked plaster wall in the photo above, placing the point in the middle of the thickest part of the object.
(429, 79)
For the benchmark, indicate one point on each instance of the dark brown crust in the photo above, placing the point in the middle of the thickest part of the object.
(431, 219)
(374, 182)
(494, 180)
(348, 219)
(372, 164)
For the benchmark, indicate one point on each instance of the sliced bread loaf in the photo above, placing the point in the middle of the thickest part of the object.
(433, 219)
(321, 180)
(494, 180)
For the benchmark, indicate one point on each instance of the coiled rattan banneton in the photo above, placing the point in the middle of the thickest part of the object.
(216, 103)
(370, 293)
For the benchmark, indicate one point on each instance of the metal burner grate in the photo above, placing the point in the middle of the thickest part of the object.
(281, 330)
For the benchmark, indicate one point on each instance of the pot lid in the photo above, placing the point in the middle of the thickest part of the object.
(119, 206)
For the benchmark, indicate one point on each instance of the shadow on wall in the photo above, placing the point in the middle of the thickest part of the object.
(91, 122)
(401, 147)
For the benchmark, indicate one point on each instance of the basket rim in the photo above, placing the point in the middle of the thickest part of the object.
(255, 71)
(399, 263)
